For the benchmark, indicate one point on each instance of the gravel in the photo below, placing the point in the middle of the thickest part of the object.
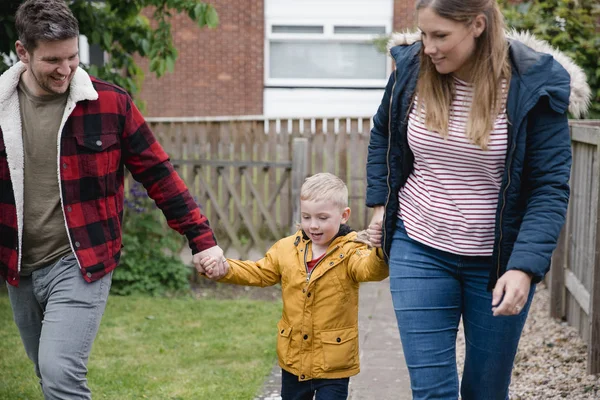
(552, 359)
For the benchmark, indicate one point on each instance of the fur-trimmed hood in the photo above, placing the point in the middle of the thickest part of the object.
(580, 97)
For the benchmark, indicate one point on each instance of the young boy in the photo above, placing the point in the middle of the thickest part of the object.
(319, 268)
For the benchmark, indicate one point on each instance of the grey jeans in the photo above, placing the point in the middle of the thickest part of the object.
(58, 314)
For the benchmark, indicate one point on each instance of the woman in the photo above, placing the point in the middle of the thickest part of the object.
(468, 171)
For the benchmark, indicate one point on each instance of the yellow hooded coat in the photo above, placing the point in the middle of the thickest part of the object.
(318, 331)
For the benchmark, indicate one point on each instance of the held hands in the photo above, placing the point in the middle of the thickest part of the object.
(375, 229)
(211, 265)
(375, 232)
(514, 285)
(211, 262)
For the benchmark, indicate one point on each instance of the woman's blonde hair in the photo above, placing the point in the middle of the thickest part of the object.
(490, 67)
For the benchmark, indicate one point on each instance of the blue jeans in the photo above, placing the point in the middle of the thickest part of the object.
(326, 389)
(58, 314)
(431, 290)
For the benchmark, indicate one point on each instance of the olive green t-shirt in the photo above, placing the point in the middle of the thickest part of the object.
(45, 237)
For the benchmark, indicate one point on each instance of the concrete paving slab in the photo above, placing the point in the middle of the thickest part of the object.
(383, 375)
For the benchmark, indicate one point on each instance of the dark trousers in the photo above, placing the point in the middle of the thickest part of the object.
(319, 389)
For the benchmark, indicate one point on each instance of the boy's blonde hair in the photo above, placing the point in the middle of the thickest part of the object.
(325, 187)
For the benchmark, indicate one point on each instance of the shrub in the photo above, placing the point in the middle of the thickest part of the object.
(570, 26)
(150, 262)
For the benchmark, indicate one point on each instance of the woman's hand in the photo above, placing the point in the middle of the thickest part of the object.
(375, 229)
(513, 290)
(375, 232)
(378, 212)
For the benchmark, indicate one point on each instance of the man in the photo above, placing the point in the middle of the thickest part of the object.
(65, 138)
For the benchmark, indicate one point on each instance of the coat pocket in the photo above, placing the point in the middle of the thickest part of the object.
(97, 154)
(99, 142)
(284, 341)
(340, 348)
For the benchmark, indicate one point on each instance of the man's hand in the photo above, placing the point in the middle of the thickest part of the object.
(220, 267)
(514, 285)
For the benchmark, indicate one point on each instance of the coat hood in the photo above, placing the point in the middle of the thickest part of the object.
(580, 96)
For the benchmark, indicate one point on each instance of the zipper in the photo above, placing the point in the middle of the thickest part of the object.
(308, 274)
(387, 162)
(512, 149)
(527, 108)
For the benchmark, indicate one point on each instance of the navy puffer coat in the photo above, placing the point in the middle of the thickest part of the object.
(534, 194)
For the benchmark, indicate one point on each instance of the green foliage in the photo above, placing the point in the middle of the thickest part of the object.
(121, 31)
(381, 43)
(570, 26)
(150, 262)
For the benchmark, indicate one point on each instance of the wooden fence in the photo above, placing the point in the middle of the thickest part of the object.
(246, 171)
(574, 280)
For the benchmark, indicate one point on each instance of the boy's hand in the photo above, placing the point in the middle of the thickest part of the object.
(375, 232)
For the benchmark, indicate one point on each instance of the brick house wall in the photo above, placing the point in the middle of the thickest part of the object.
(218, 71)
(404, 15)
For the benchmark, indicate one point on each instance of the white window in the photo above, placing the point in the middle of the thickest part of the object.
(90, 54)
(325, 54)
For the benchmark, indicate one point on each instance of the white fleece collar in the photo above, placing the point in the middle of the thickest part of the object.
(80, 89)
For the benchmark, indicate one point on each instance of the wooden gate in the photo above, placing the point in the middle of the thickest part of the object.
(247, 202)
(241, 200)
(257, 165)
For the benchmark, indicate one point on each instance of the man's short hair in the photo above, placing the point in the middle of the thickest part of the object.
(325, 187)
(45, 20)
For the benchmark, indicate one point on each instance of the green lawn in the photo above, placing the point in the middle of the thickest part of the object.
(160, 348)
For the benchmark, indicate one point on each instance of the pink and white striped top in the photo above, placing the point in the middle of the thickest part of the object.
(449, 200)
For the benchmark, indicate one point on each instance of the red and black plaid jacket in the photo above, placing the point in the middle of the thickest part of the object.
(102, 133)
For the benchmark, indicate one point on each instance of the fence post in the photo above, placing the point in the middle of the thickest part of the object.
(556, 277)
(593, 366)
(299, 173)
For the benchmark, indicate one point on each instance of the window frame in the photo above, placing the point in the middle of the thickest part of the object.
(328, 35)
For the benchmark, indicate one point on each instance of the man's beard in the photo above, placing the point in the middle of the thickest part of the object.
(44, 86)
